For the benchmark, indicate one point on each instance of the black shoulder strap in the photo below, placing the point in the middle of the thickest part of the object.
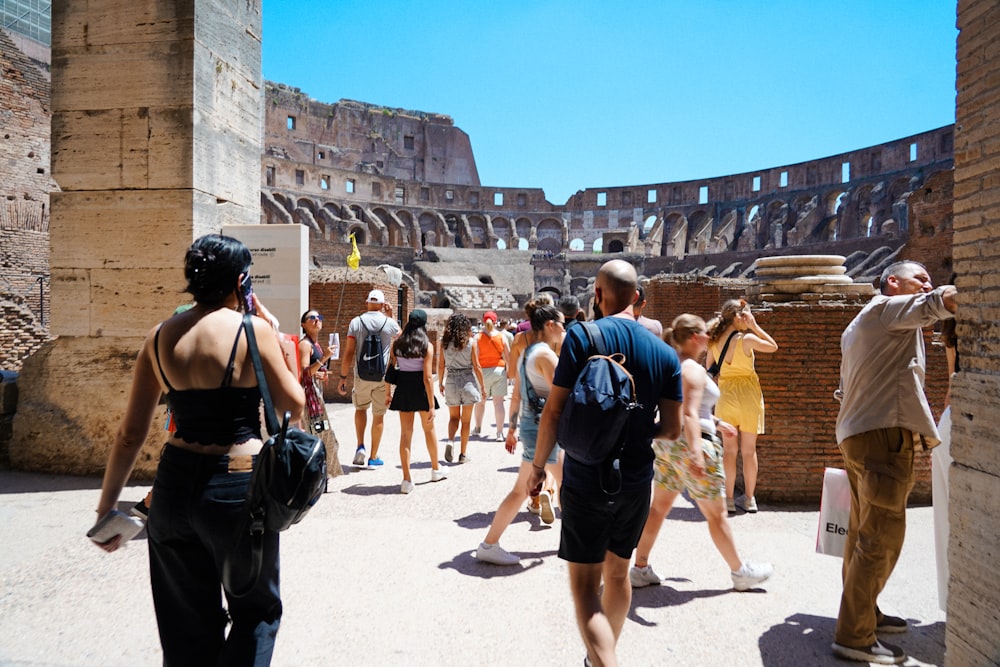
(156, 351)
(725, 348)
(270, 417)
(227, 379)
(532, 395)
(385, 321)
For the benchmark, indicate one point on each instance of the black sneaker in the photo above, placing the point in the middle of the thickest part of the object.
(140, 510)
(891, 624)
(880, 653)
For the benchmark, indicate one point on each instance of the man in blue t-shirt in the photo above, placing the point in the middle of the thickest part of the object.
(600, 531)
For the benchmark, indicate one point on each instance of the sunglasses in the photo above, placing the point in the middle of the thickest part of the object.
(316, 318)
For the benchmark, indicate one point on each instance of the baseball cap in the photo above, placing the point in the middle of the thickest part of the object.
(489, 315)
(376, 296)
(418, 317)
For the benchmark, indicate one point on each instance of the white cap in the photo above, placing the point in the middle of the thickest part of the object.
(376, 296)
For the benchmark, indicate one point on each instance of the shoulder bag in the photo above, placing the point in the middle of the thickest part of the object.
(289, 477)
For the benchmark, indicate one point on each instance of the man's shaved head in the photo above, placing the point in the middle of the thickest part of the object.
(617, 281)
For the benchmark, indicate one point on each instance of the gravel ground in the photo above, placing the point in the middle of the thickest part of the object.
(373, 577)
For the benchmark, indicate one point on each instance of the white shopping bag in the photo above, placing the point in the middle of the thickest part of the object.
(834, 513)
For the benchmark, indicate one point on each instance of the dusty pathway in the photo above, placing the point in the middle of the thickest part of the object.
(372, 577)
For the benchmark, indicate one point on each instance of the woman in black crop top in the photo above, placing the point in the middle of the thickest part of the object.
(199, 358)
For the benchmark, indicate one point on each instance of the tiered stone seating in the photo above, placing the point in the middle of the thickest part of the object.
(480, 297)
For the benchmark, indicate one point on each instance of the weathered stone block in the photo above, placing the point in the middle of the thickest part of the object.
(147, 229)
(70, 302)
(68, 414)
(157, 74)
(123, 148)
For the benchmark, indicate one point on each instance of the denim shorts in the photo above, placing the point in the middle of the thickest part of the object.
(528, 433)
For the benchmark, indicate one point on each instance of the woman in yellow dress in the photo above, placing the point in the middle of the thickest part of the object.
(742, 401)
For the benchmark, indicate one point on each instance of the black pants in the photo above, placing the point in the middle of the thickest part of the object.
(196, 509)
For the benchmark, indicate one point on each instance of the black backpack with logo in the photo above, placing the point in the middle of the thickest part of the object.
(371, 360)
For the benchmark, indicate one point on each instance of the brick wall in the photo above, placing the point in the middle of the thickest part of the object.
(669, 296)
(972, 636)
(798, 382)
(21, 333)
(24, 258)
(25, 184)
(932, 226)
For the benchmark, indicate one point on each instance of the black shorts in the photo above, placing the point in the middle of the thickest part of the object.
(595, 523)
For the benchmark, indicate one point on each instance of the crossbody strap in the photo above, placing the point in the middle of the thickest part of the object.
(270, 418)
(725, 348)
(529, 390)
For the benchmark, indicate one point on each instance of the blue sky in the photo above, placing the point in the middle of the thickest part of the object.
(566, 95)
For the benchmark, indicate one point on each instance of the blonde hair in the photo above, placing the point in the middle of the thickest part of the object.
(682, 328)
(722, 321)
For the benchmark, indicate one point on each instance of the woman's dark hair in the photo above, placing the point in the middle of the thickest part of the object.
(456, 332)
(412, 343)
(302, 320)
(212, 266)
(539, 312)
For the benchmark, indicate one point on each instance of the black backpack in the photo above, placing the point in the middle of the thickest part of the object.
(594, 421)
(371, 361)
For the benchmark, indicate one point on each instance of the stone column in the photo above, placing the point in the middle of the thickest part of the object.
(156, 136)
(972, 634)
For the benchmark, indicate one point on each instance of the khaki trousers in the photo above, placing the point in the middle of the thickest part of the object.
(880, 470)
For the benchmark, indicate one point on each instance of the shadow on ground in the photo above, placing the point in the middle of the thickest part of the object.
(12, 481)
(805, 640)
(467, 564)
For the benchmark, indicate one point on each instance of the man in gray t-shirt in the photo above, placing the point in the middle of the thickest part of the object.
(377, 319)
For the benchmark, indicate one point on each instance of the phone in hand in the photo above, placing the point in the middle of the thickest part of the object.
(115, 523)
(246, 289)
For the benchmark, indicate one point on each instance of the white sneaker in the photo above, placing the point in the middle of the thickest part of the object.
(640, 577)
(750, 505)
(406, 486)
(359, 456)
(750, 574)
(545, 507)
(438, 475)
(496, 554)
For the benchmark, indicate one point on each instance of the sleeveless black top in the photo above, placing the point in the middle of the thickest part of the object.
(223, 416)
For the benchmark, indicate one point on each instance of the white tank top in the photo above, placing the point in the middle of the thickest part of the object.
(709, 398)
